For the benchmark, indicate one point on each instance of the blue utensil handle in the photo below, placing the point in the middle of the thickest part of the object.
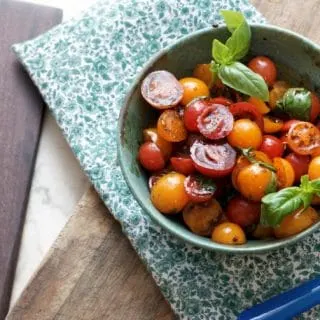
(286, 305)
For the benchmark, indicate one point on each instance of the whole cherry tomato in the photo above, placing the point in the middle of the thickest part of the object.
(182, 164)
(265, 67)
(272, 146)
(314, 168)
(151, 157)
(315, 108)
(285, 172)
(259, 104)
(272, 124)
(277, 92)
(203, 72)
(228, 233)
(243, 212)
(193, 88)
(299, 163)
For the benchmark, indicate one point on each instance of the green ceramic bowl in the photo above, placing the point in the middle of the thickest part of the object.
(298, 60)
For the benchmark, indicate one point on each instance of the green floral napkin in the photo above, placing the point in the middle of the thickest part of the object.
(84, 69)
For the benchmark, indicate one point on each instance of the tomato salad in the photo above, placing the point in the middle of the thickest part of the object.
(237, 153)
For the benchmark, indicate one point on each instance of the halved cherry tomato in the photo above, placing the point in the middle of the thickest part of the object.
(315, 107)
(299, 163)
(198, 189)
(203, 72)
(316, 153)
(245, 134)
(215, 122)
(272, 146)
(192, 112)
(171, 127)
(314, 168)
(265, 67)
(213, 160)
(243, 212)
(288, 124)
(272, 125)
(277, 92)
(304, 138)
(151, 134)
(222, 100)
(247, 110)
(193, 88)
(260, 105)
(161, 89)
(285, 172)
(228, 233)
(183, 164)
(151, 157)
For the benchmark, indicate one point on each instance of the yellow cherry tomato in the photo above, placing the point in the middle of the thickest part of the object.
(201, 217)
(259, 104)
(285, 172)
(245, 134)
(228, 233)
(263, 232)
(168, 194)
(314, 168)
(203, 72)
(296, 222)
(193, 88)
(277, 92)
(272, 125)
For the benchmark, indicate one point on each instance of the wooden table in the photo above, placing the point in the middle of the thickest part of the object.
(92, 272)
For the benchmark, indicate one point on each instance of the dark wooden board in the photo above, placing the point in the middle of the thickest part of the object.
(21, 110)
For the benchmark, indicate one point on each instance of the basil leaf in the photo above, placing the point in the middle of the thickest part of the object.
(233, 19)
(220, 52)
(315, 185)
(296, 102)
(241, 78)
(272, 186)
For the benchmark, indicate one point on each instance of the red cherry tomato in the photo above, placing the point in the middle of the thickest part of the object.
(315, 108)
(213, 160)
(243, 212)
(198, 188)
(182, 164)
(222, 100)
(247, 110)
(272, 146)
(151, 157)
(215, 122)
(288, 124)
(299, 163)
(161, 89)
(192, 112)
(265, 67)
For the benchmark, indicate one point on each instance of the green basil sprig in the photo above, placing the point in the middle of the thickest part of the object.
(296, 102)
(226, 66)
(277, 205)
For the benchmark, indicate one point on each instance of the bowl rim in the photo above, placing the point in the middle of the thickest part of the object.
(186, 235)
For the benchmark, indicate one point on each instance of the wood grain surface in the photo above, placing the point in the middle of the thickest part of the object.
(20, 121)
(92, 272)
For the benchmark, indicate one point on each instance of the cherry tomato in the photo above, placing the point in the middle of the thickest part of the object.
(203, 72)
(161, 89)
(199, 190)
(304, 138)
(277, 92)
(316, 153)
(228, 233)
(170, 126)
(259, 104)
(285, 172)
(262, 232)
(253, 181)
(213, 160)
(247, 110)
(243, 212)
(151, 157)
(315, 108)
(168, 194)
(299, 164)
(265, 67)
(156, 176)
(272, 146)
(215, 122)
(202, 217)
(183, 165)
(245, 134)
(193, 88)
(192, 112)
(222, 100)
(296, 222)
(314, 168)
(151, 134)
(288, 124)
(272, 125)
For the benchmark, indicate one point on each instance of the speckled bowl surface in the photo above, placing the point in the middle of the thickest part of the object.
(298, 61)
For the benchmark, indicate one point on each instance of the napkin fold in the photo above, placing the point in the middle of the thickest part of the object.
(83, 69)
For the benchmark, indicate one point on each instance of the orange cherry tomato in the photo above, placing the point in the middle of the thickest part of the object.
(277, 92)
(228, 233)
(296, 222)
(193, 88)
(245, 134)
(259, 104)
(285, 172)
(304, 138)
(314, 168)
(265, 67)
(315, 107)
(171, 127)
(262, 232)
(203, 72)
(272, 125)
(168, 194)
(151, 134)
(316, 153)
